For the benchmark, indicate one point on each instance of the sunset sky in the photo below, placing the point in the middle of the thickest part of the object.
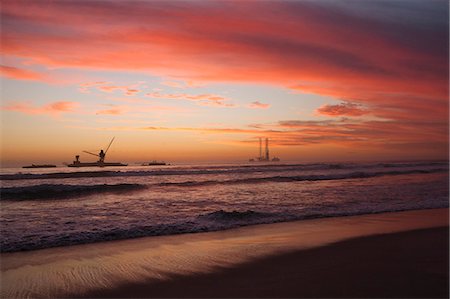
(200, 81)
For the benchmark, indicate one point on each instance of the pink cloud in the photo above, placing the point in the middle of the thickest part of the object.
(20, 74)
(258, 105)
(201, 99)
(331, 46)
(178, 40)
(54, 108)
(129, 90)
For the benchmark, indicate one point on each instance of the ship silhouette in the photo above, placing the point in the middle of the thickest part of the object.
(266, 156)
(155, 163)
(101, 161)
(39, 166)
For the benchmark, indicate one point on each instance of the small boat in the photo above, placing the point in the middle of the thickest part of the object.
(155, 163)
(39, 166)
(77, 163)
(100, 163)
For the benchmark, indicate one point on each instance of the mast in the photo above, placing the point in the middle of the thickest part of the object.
(110, 144)
(260, 148)
(267, 149)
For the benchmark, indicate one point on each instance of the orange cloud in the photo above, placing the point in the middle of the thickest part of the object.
(85, 87)
(131, 92)
(206, 130)
(346, 108)
(54, 108)
(20, 74)
(126, 89)
(369, 135)
(258, 105)
(113, 111)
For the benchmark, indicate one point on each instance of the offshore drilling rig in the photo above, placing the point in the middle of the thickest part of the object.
(264, 157)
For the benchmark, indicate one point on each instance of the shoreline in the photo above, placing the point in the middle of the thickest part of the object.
(92, 269)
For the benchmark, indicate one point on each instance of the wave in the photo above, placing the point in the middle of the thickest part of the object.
(340, 176)
(205, 170)
(213, 221)
(224, 216)
(49, 191)
(61, 191)
(58, 175)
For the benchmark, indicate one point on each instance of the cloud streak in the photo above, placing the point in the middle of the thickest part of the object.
(200, 99)
(20, 74)
(53, 109)
(348, 133)
(258, 105)
(128, 90)
(342, 109)
(330, 45)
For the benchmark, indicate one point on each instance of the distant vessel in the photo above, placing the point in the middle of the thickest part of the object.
(100, 163)
(266, 156)
(39, 166)
(155, 163)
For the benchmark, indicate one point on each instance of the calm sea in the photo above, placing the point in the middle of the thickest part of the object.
(43, 208)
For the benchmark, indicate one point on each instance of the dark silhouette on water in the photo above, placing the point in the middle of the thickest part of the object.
(266, 156)
(101, 161)
(39, 166)
(155, 163)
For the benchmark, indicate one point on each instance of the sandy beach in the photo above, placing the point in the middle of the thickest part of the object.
(402, 254)
(408, 264)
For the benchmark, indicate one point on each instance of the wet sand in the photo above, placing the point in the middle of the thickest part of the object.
(403, 254)
(402, 265)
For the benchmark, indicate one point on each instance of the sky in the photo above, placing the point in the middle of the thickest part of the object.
(202, 81)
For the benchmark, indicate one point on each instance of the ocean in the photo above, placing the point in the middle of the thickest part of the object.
(63, 206)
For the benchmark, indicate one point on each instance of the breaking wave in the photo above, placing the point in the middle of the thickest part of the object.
(340, 176)
(61, 191)
(213, 221)
(49, 191)
(224, 216)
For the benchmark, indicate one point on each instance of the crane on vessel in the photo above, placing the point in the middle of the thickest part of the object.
(101, 154)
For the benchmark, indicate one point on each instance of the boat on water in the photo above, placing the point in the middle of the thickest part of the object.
(39, 166)
(155, 163)
(100, 163)
(78, 163)
(266, 156)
